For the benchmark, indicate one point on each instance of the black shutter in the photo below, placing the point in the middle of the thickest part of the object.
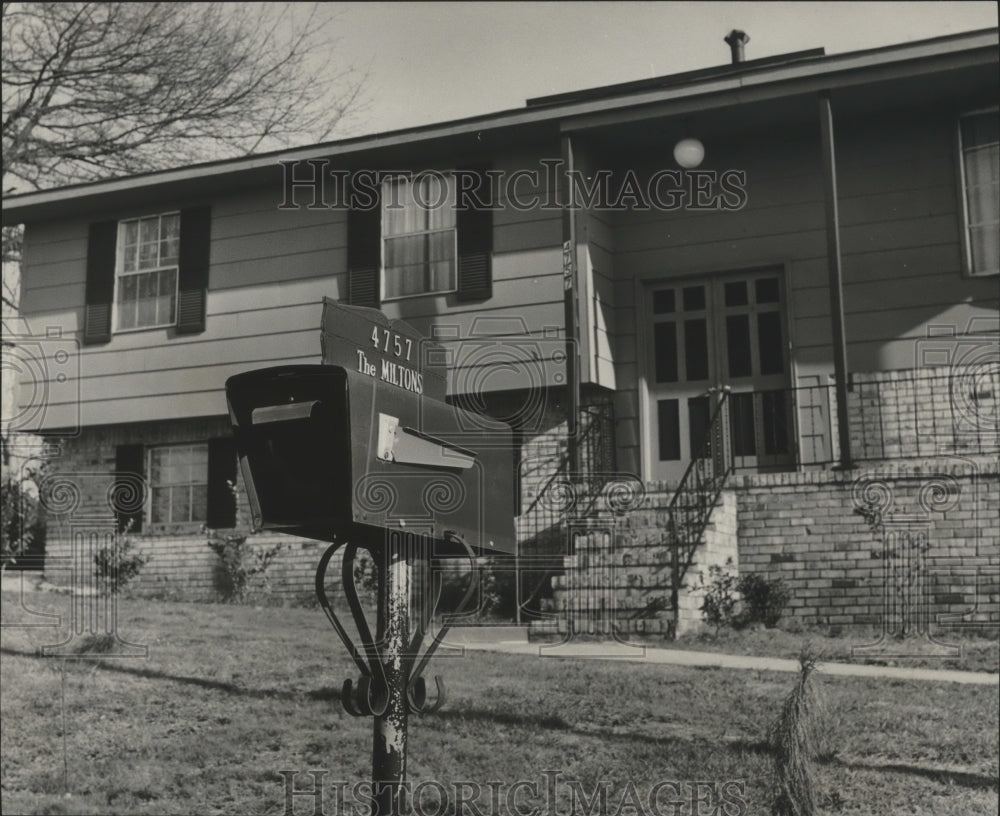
(192, 283)
(364, 255)
(221, 470)
(475, 247)
(128, 495)
(102, 244)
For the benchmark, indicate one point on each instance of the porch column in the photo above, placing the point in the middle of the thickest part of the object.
(572, 315)
(835, 275)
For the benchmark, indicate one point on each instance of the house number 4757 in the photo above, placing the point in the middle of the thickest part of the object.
(385, 340)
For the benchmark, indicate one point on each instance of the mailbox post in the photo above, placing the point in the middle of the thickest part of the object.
(362, 451)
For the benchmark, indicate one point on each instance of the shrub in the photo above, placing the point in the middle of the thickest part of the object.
(241, 563)
(21, 523)
(764, 600)
(721, 598)
(117, 564)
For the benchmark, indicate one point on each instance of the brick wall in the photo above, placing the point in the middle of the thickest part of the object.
(937, 543)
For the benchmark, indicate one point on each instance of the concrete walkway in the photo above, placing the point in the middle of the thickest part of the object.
(676, 657)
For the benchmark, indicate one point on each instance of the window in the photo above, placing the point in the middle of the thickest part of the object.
(178, 484)
(418, 235)
(979, 159)
(146, 276)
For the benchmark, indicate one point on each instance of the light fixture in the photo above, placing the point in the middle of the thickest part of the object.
(688, 153)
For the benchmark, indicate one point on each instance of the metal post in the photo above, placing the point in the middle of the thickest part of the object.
(389, 737)
(835, 275)
(570, 302)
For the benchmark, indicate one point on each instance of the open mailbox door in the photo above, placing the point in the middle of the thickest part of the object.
(330, 452)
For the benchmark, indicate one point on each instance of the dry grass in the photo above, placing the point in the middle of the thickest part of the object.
(229, 696)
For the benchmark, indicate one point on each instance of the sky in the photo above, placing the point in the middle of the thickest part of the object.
(433, 62)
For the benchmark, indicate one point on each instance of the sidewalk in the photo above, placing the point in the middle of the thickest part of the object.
(677, 657)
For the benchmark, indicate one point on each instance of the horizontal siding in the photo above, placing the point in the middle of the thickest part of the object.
(269, 270)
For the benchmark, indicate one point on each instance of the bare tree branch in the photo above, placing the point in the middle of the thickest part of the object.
(92, 90)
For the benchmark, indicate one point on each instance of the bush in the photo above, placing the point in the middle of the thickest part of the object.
(241, 563)
(764, 600)
(719, 607)
(117, 564)
(21, 523)
(741, 601)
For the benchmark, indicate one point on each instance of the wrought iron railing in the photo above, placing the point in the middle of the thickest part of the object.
(913, 414)
(690, 509)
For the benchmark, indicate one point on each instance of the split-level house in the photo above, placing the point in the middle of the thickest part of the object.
(813, 236)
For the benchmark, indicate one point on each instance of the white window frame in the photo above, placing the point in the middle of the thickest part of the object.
(967, 259)
(149, 481)
(450, 177)
(121, 273)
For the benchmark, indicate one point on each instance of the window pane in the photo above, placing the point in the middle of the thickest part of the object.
(148, 286)
(695, 349)
(167, 297)
(774, 422)
(157, 458)
(668, 423)
(741, 424)
(442, 276)
(766, 290)
(437, 196)
(736, 293)
(199, 503)
(985, 255)
(698, 417)
(981, 166)
(127, 296)
(772, 358)
(407, 251)
(180, 498)
(694, 298)
(130, 249)
(663, 301)
(738, 345)
(665, 351)
(160, 505)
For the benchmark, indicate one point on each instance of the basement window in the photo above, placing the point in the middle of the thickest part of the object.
(178, 484)
(979, 170)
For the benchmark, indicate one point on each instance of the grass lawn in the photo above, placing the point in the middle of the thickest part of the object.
(230, 696)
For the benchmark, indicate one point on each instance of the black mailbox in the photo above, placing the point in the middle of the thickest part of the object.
(328, 452)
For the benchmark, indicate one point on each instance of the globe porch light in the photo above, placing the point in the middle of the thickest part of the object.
(688, 153)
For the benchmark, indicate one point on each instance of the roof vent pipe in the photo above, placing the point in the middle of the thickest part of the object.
(736, 40)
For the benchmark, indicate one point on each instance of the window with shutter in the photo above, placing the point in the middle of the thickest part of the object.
(418, 240)
(147, 272)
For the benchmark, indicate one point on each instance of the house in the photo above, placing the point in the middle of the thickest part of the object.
(813, 236)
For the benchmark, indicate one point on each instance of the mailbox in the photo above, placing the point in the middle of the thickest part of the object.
(330, 452)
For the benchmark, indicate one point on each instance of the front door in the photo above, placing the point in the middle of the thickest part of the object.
(725, 331)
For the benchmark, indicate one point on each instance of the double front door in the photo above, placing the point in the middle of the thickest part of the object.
(705, 335)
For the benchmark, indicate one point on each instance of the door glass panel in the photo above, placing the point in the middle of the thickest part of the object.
(668, 423)
(738, 345)
(774, 422)
(697, 424)
(766, 290)
(696, 349)
(663, 301)
(736, 293)
(694, 298)
(665, 348)
(772, 359)
(741, 424)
